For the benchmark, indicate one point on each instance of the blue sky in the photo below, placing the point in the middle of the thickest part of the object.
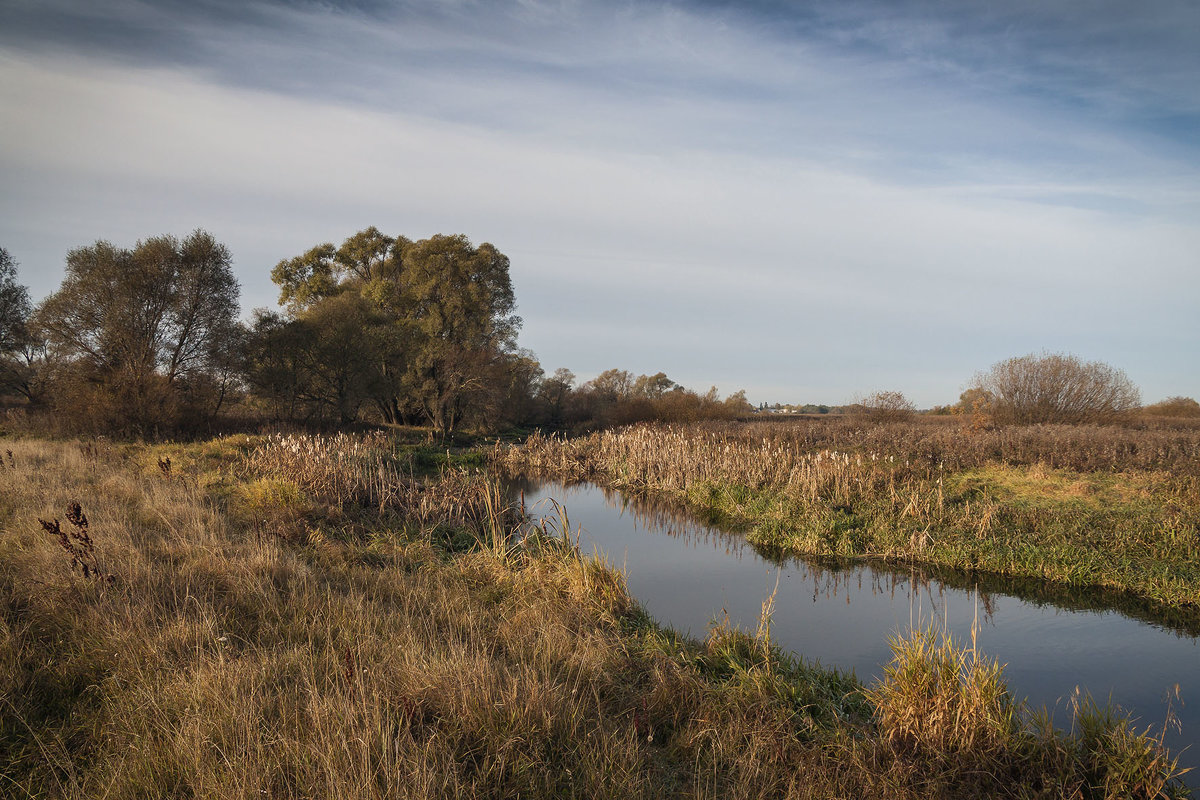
(810, 201)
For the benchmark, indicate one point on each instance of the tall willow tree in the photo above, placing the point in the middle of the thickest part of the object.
(441, 332)
(459, 300)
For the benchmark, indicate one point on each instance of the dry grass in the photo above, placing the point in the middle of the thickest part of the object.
(227, 661)
(948, 706)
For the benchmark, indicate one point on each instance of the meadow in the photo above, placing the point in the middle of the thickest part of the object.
(355, 616)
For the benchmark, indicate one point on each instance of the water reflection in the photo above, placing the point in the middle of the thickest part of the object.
(1053, 640)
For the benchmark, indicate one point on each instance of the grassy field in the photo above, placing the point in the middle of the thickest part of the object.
(1114, 509)
(318, 617)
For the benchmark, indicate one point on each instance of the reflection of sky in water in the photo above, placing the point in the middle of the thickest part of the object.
(687, 575)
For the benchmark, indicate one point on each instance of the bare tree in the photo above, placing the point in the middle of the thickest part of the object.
(886, 407)
(1057, 388)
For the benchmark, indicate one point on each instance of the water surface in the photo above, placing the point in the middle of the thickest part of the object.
(687, 575)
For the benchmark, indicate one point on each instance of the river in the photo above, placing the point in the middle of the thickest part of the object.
(687, 574)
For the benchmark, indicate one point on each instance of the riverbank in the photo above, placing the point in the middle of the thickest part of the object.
(312, 617)
(1099, 508)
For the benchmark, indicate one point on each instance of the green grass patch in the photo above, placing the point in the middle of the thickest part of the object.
(1039, 486)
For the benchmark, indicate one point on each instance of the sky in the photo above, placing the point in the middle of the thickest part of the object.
(811, 201)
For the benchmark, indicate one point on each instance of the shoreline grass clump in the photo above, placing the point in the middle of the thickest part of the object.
(432, 648)
(947, 707)
(1106, 508)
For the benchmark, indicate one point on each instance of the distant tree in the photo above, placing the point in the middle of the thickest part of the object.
(976, 406)
(974, 400)
(652, 387)
(1174, 407)
(612, 385)
(369, 255)
(322, 364)
(135, 336)
(15, 338)
(886, 407)
(518, 380)
(14, 306)
(554, 392)
(341, 368)
(276, 363)
(460, 300)
(364, 261)
(1057, 388)
(307, 279)
(736, 404)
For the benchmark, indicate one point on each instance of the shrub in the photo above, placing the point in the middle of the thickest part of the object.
(1174, 407)
(886, 407)
(1057, 388)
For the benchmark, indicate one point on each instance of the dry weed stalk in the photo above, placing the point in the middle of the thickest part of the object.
(77, 542)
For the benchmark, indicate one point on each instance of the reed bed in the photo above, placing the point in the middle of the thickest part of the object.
(1109, 508)
(205, 660)
(338, 469)
(343, 471)
(768, 451)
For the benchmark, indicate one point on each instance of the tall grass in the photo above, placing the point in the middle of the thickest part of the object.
(949, 706)
(395, 661)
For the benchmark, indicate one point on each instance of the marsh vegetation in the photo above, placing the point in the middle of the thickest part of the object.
(318, 616)
(1114, 508)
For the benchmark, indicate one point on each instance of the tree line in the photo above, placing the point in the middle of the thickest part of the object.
(381, 329)
(147, 340)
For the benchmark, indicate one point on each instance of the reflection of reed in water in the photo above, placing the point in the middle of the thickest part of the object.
(647, 514)
(657, 516)
(926, 594)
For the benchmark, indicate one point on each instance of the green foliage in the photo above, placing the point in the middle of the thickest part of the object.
(14, 305)
(421, 330)
(14, 331)
(306, 279)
